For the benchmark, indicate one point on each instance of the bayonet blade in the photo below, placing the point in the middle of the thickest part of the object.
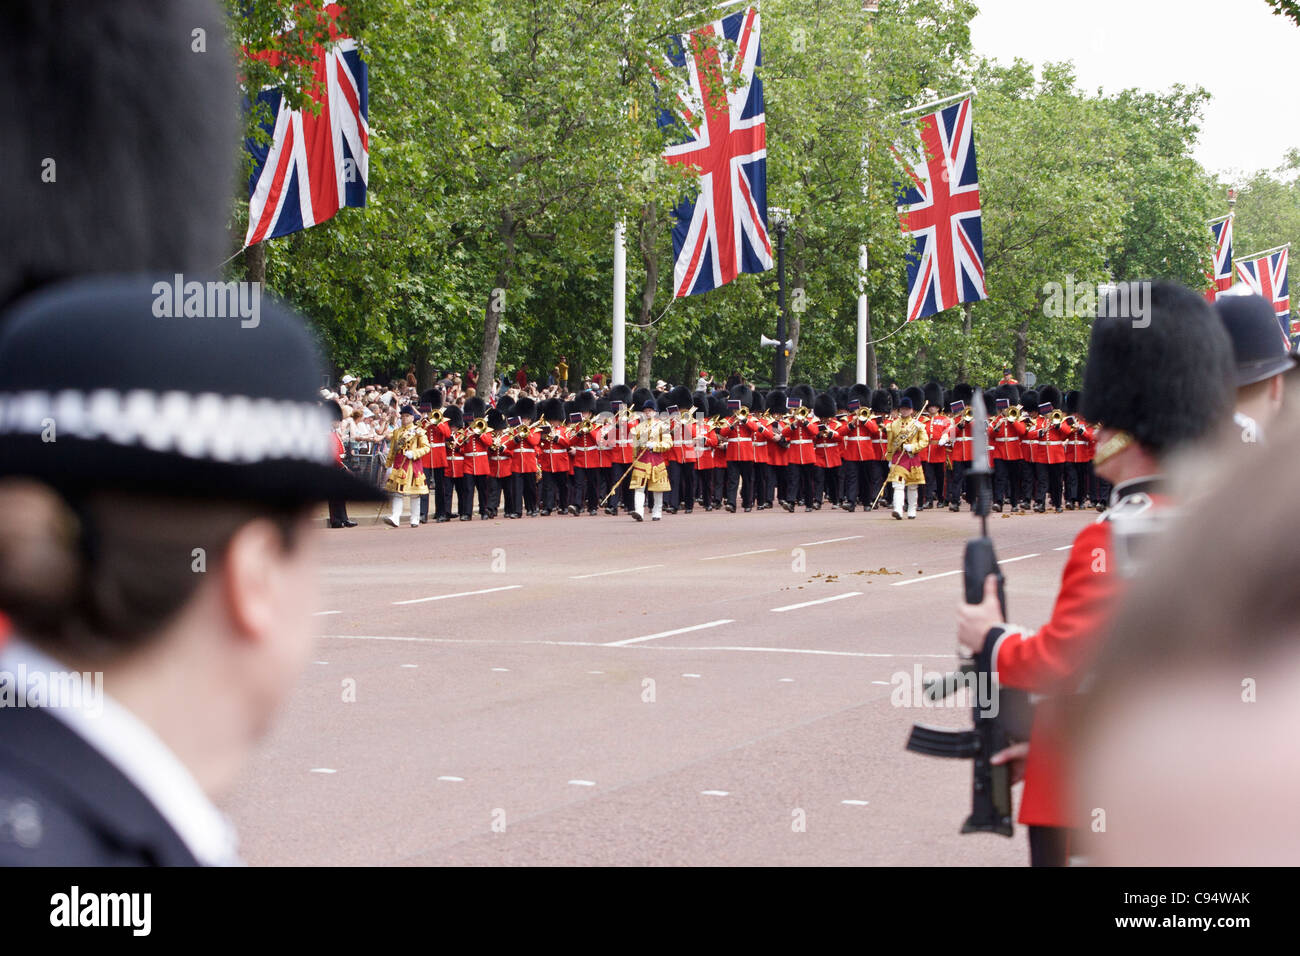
(980, 438)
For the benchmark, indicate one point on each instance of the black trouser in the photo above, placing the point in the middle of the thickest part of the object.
(681, 476)
(528, 485)
(338, 511)
(800, 480)
(495, 486)
(1073, 486)
(1049, 846)
(762, 484)
(1004, 481)
(831, 476)
(436, 481)
(1027, 476)
(1100, 487)
(717, 484)
(957, 482)
(818, 485)
(586, 488)
(552, 489)
(514, 487)
(465, 495)
(740, 472)
(855, 483)
(781, 480)
(1048, 483)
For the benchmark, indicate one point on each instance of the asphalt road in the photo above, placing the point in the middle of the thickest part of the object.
(708, 689)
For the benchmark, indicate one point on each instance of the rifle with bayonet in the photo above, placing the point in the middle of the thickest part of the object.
(1001, 715)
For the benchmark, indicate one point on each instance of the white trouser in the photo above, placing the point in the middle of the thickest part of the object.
(397, 510)
(898, 497)
(638, 501)
(912, 492)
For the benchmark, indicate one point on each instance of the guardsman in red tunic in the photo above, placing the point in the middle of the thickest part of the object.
(934, 457)
(859, 431)
(1053, 436)
(475, 448)
(500, 464)
(586, 452)
(1078, 438)
(619, 438)
(681, 457)
(799, 431)
(958, 440)
(740, 430)
(1031, 450)
(554, 451)
(456, 461)
(878, 461)
(434, 464)
(1143, 427)
(1006, 430)
(526, 470)
(715, 478)
(826, 451)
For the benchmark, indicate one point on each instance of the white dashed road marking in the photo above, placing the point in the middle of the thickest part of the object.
(852, 537)
(680, 630)
(444, 597)
(738, 554)
(838, 597)
(599, 574)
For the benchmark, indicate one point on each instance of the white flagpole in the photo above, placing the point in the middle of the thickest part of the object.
(862, 314)
(1260, 255)
(617, 358)
(934, 104)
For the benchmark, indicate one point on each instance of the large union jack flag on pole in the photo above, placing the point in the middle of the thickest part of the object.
(1220, 274)
(315, 164)
(940, 209)
(1265, 274)
(722, 232)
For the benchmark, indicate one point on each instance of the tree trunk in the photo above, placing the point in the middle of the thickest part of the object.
(1022, 350)
(423, 370)
(255, 263)
(650, 262)
(487, 365)
(796, 302)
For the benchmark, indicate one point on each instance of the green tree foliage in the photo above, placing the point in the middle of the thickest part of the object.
(508, 137)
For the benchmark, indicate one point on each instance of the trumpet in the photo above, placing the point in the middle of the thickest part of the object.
(863, 415)
(434, 417)
(969, 415)
(1014, 413)
(1057, 417)
(742, 415)
(478, 426)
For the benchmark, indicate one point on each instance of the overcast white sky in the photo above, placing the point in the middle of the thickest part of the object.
(1244, 55)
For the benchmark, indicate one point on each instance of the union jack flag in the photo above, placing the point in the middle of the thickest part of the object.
(940, 209)
(315, 164)
(722, 232)
(1265, 273)
(1220, 275)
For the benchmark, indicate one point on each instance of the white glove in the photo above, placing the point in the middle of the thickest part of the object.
(907, 449)
(945, 441)
(411, 455)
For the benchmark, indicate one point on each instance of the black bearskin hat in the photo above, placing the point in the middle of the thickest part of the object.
(881, 403)
(1050, 394)
(1160, 365)
(620, 393)
(585, 402)
(681, 398)
(743, 394)
(640, 397)
(431, 397)
(525, 408)
(961, 392)
(1072, 403)
(917, 396)
(1029, 399)
(933, 394)
(495, 419)
(553, 410)
(776, 402)
(717, 406)
(506, 405)
(806, 395)
(1010, 392)
(862, 393)
(824, 406)
(453, 416)
(475, 408)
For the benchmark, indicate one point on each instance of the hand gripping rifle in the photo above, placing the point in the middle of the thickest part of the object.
(1001, 715)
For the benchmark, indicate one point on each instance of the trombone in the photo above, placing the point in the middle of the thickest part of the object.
(434, 417)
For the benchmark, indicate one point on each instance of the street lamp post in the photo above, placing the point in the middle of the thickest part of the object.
(780, 368)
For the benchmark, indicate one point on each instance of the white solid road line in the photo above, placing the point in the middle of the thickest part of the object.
(852, 537)
(601, 574)
(323, 613)
(948, 574)
(635, 647)
(680, 630)
(583, 783)
(714, 793)
(322, 770)
(838, 597)
(443, 597)
(453, 779)
(854, 803)
(1066, 548)
(738, 554)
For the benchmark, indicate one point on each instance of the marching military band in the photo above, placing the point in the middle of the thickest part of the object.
(844, 448)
